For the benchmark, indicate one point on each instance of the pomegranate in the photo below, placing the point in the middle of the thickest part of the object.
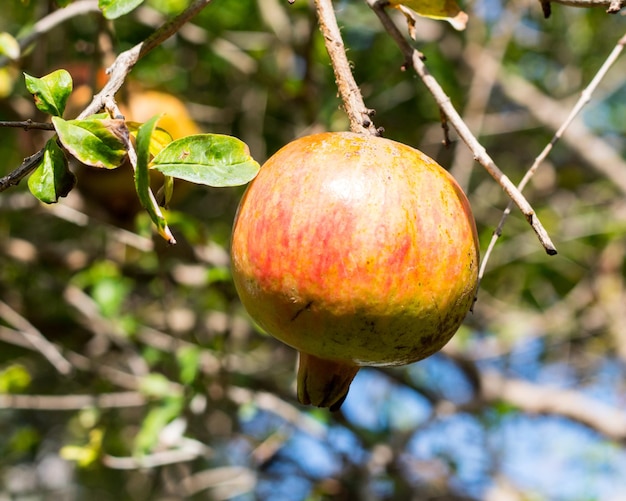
(355, 250)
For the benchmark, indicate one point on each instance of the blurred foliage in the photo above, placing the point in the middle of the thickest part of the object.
(174, 393)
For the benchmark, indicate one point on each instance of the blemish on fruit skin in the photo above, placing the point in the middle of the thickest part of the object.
(301, 310)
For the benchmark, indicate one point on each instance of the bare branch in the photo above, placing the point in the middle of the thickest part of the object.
(480, 154)
(35, 338)
(594, 150)
(72, 402)
(615, 173)
(354, 105)
(125, 62)
(190, 450)
(27, 125)
(225, 482)
(541, 399)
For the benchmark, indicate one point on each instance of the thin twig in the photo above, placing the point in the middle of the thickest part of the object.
(27, 125)
(35, 338)
(358, 113)
(585, 97)
(542, 399)
(113, 375)
(190, 450)
(73, 402)
(596, 151)
(480, 154)
(118, 72)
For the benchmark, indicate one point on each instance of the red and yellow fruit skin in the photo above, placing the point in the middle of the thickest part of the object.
(354, 250)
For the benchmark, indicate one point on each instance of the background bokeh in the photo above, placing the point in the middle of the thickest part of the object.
(173, 393)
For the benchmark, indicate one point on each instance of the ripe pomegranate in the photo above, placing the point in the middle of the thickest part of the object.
(355, 250)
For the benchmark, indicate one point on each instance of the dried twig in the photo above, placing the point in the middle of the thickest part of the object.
(72, 402)
(27, 125)
(118, 72)
(187, 451)
(585, 97)
(35, 338)
(413, 58)
(226, 482)
(540, 399)
(597, 152)
(358, 113)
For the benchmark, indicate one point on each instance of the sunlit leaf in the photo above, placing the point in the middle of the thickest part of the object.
(159, 139)
(157, 386)
(52, 179)
(189, 362)
(14, 379)
(142, 179)
(157, 419)
(448, 10)
(9, 46)
(50, 91)
(211, 159)
(112, 9)
(85, 455)
(7, 80)
(96, 142)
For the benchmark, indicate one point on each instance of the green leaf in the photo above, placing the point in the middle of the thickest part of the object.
(156, 385)
(142, 179)
(211, 159)
(52, 178)
(85, 455)
(9, 46)
(50, 91)
(112, 9)
(97, 142)
(188, 359)
(157, 419)
(110, 295)
(7, 79)
(14, 379)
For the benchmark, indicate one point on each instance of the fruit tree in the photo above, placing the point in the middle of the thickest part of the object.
(301, 250)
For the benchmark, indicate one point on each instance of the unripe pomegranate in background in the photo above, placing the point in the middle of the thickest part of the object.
(355, 250)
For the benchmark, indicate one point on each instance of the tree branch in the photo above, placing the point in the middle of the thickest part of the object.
(541, 399)
(27, 125)
(35, 338)
(358, 113)
(480, 154)
(118, 72)
(72, 402)
(613, 172)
